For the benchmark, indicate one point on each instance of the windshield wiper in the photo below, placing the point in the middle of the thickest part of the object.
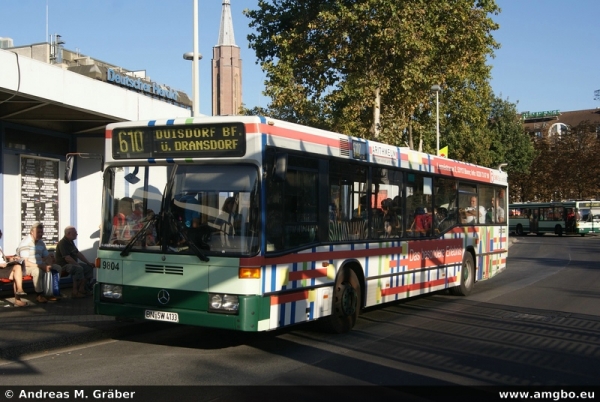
(137, 236)
(183, 234)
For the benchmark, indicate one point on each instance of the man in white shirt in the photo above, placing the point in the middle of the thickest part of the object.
(37, 259)
(473, 213)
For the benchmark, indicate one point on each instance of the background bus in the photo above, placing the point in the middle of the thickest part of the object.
(570, 217)
(253, 224)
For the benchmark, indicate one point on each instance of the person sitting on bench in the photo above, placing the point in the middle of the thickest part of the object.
(12, 267)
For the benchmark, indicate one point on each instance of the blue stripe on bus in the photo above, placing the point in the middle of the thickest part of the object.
(281, 322)
(293, 313)
(294, 269)
(170, 160)
(151, 160)
(151, 123)
(273, 277)
(313, 266)
(170, 122)
(263, 120)
(263, 212)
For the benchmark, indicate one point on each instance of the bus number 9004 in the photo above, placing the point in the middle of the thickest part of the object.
(110, 265)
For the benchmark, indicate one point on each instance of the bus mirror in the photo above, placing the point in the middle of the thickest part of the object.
(70, 161)
(132, 177)
(69, 168)
(281, 162)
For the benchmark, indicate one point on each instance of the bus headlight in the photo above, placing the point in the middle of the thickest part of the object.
(222, 303)
(111, 292)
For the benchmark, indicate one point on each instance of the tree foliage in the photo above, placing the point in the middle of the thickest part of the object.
(566, 166)
(345, 65)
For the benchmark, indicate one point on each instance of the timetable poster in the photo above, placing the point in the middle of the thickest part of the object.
(39, 196)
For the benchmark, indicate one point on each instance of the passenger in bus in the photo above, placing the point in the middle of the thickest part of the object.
(128, 220)
(225, 221)
(474, 214)
(499, 213)
(391, 223)
(422, 222)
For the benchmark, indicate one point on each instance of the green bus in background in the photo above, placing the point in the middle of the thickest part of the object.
(565, 217)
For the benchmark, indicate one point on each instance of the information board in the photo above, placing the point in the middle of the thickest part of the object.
(39, 196)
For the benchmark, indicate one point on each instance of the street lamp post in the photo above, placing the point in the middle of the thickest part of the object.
(195, 56)
(195, 81)
(437, 89)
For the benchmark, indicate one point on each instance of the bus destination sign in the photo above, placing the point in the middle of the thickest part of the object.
(189, 141)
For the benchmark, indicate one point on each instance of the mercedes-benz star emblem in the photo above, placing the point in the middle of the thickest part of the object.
(163, 296)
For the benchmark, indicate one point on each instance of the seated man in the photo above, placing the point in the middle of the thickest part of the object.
(37, 259)
(67, 256)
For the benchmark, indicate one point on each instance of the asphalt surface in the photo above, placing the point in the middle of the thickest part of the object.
(42, 327)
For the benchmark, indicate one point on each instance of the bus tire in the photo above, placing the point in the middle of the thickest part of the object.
(519, 230)
(558, 230)
(346, 301)
(467, 277)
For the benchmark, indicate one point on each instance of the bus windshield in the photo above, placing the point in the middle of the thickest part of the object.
(204, 210)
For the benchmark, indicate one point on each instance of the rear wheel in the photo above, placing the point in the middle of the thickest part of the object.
(467, 277)
(346, 301)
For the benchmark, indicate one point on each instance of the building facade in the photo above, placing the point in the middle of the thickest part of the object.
(549, 123)
(54, 102)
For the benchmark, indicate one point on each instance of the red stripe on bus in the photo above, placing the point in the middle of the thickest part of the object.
(345, 254)
(299, 135)
(313, 273)
(417, 286)
(321, 256)
(289, 297)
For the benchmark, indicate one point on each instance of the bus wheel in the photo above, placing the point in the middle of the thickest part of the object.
(468, 277)
(558, 230)
(346, 301)
(519, 230)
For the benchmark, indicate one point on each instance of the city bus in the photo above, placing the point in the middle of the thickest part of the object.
(250, 223)
(568, 217)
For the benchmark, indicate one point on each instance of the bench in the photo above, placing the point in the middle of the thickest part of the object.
(6, 285)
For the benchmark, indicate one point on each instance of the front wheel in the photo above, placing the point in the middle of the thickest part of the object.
(346, 301)
(467, 277)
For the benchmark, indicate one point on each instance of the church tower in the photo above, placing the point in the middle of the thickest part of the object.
(226, 69)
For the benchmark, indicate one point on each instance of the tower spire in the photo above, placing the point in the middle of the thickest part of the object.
(226, 30)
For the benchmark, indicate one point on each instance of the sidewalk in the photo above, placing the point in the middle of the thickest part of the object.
(43, 327)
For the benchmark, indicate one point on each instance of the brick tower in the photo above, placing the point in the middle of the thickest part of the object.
(226, 69)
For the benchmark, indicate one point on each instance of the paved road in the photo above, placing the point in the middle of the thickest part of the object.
(538, 323)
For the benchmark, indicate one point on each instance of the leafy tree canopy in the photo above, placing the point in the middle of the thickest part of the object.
(366, 67)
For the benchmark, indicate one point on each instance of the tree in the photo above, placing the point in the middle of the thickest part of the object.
(565, 166)
(365, 67)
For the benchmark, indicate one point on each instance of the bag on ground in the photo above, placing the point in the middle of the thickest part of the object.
(51, 283)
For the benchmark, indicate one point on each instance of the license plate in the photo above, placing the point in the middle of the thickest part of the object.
(161, 316)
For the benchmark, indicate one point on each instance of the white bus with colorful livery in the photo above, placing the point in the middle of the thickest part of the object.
(252, 224)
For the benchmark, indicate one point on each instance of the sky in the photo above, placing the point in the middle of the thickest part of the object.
(548, 58)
